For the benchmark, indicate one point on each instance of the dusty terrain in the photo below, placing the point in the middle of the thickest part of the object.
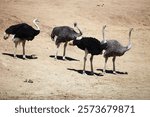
(63, 79)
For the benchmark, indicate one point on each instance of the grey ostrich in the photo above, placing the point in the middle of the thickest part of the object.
(114, 49)
(64, 34)
(22, 32)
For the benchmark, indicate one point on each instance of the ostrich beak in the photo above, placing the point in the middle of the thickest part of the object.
(75, 24)
(104, 26)
(36, 20)
(131, 29)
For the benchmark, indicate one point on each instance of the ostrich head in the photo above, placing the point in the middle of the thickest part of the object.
(6, 36)
(129, 44)
(35, 21)
(79, 35)
(75, 24)
(104, 27)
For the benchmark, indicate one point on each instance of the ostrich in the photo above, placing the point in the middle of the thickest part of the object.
(91, 46)
(114, 49)
(21, 33)
(64, 34)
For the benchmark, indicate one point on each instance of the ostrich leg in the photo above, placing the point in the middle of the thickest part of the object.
(85, 58)
(104, 70)
(91, 61)
(64, 53)
(15, 49)
(23, 46)
(57, 47)
(114, 58)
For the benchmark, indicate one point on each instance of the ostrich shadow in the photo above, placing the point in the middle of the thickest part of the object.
(20, 56)
(111, 72)
(87, 72)
(61, 58)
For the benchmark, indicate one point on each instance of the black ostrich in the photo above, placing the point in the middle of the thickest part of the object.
(114, 49)
(21, 33)
(64, 34)
(91, 46)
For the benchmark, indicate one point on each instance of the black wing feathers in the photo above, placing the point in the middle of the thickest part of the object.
(22, 31)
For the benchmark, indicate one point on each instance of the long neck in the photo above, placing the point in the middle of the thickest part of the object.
(129, 43)
(80, 33)
(129, 46)
(103, 33)
(37, 27)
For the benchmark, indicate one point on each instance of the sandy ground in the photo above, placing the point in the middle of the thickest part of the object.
(63, 79)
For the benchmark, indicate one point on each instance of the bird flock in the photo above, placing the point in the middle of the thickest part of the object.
(64, 34)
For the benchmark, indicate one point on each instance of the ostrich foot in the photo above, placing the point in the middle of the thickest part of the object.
(55, 57)
(64, 58)
(24, 57)
(114, 72)
(84, 73)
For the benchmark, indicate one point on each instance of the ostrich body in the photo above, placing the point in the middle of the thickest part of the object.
(91, 46)
(21, 33)
(64, 34)
(114, 49)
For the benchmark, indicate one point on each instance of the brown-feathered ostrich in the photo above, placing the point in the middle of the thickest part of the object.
(64, 34)
(22, 32)
(114, 49)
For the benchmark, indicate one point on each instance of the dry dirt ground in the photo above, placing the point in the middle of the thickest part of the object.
(63, 79)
